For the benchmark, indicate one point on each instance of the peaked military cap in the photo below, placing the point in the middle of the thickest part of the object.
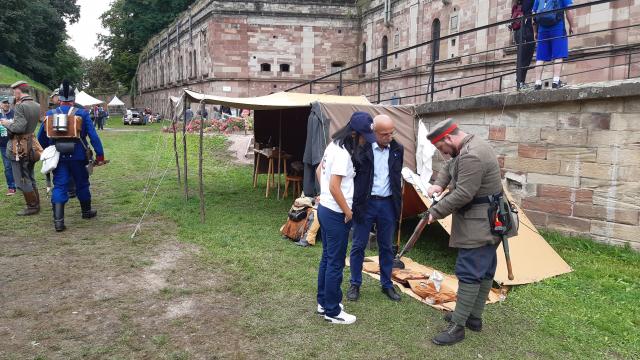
(18, 84)
(441, 129)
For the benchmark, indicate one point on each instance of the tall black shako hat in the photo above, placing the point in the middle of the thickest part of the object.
(66, 92)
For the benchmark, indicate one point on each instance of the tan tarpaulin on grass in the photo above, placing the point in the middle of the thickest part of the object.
(403, 116)
(532, 258)
(450, 282)
(280, 100)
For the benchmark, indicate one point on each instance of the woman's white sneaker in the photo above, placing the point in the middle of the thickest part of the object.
(342, 318)
(320, 310)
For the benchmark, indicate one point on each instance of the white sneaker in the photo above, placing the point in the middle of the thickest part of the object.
(320, 310)
(342, 318)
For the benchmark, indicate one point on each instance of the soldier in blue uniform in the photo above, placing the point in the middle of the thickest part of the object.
(74, 157)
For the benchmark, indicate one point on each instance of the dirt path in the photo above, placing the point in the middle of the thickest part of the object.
(82, 295)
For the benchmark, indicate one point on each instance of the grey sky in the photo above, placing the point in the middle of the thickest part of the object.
(84, 34)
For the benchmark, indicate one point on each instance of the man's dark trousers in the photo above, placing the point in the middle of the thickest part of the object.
(526, 47)
(477, 264)
(382, 213)
(335, 238)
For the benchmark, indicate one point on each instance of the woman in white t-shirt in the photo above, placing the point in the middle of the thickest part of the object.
(335, 174)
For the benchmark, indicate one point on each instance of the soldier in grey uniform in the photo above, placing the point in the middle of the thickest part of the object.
(27, 113)
(473, 177)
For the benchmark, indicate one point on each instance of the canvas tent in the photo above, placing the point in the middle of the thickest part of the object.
(302, 124)
(280, 119)
(115, 102)
(85, 99)
(116, 106)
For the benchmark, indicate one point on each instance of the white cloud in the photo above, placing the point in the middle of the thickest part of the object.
(84, 34)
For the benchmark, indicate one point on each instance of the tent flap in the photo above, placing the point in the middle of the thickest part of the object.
(403, 118)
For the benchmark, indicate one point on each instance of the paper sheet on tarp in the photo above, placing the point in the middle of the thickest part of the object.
(450, 281)
(532, 258)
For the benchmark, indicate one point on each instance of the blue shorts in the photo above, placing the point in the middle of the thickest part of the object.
(552, 45)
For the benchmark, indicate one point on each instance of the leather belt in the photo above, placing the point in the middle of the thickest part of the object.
(377, 197)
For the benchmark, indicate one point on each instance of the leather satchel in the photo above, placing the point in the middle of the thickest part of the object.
(26, 146)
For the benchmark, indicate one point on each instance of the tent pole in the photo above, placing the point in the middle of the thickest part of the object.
(202, 119)
(175, 142)
(184, 146)
(279, 152)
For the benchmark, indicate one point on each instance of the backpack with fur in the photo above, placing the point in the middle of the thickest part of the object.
(293, 229)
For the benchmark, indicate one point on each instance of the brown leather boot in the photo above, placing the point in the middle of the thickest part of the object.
(35, 190)
(33, 204)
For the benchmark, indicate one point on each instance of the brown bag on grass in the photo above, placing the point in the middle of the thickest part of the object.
(295, 229)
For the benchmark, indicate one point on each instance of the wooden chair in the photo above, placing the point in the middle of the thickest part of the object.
(297, 185)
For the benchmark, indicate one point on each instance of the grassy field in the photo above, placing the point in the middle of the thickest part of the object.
(8, 76)
(592, 313)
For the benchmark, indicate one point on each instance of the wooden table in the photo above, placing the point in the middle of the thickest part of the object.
(271, 155)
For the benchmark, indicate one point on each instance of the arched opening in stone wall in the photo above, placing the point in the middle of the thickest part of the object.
(284, 67)
(435, 36)
(265, 67)
(385, 51)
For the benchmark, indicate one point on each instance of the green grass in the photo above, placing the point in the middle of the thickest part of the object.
(8, 76)
(591, 313)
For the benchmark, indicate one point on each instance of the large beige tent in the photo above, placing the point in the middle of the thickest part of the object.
(302, 124)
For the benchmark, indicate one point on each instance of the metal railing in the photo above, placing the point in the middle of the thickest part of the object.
(429, 68)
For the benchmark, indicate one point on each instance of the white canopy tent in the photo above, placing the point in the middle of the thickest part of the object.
(85, 99)
(116, 106)
(115, 102)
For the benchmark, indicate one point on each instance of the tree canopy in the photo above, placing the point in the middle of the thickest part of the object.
(98, 77)
(131, 24)
(33, 35)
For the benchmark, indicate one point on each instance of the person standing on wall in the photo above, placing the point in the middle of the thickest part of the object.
(377, 200)
(523, 34)
(552, 41)
(21, 144)
(336, 173)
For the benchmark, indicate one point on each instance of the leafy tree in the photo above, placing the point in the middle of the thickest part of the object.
(131, 24)
(98, 77)
(31, 33)
(67, 65)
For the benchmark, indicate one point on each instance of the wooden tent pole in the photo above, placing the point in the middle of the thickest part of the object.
(279, 152)
(202, 119)
(184, 147)
(175, 141)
